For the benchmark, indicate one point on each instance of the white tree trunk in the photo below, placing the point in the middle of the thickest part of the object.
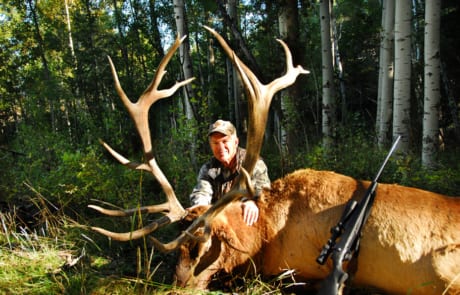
(401, 104)
(184, 52)
(385, 88)
(69, 28)
(431, 82)
(74, 60)
(328, 105)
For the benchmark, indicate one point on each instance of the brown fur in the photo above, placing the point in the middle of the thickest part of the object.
(410, 243)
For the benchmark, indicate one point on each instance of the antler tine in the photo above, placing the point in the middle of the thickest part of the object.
(129, 212)
(161, 72)
(291, 72)
(133, 235)
(139, 112)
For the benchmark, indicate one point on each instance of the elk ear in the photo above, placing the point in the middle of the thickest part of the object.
(231, 239)
(210, 256)
(231, 222)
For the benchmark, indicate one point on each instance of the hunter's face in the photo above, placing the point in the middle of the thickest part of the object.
(224, 147)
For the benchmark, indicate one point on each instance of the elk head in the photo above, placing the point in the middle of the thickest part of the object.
(259, 99)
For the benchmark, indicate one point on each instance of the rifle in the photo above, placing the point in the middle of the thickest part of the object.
(349, 230)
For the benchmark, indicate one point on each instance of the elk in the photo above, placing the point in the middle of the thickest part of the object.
(410, 243)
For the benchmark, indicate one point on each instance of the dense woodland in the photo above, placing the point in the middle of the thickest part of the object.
(378, 69)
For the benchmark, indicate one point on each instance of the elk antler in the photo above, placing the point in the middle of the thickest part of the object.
(259, 100)
(139, 112)
(259, 97)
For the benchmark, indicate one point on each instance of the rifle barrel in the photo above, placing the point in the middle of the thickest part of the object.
(393, 147)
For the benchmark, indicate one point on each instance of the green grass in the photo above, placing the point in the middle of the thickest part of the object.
(28, 261)
(29, 271)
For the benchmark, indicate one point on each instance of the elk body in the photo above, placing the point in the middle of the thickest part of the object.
(410, 242)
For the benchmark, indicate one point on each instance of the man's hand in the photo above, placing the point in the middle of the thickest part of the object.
(250, 212)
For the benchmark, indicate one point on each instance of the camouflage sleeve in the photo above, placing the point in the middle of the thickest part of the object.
(202, 192)
(260, 177)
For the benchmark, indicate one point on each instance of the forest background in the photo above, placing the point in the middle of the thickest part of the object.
(58, 100)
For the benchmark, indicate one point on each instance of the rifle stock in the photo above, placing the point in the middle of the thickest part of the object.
(349, 230)
(332, 283)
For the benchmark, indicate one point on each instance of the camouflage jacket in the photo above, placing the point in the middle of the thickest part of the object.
(214, 180)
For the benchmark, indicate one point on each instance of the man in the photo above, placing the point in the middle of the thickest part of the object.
(217, 176)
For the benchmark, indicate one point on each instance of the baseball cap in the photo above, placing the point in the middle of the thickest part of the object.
(221, 126)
